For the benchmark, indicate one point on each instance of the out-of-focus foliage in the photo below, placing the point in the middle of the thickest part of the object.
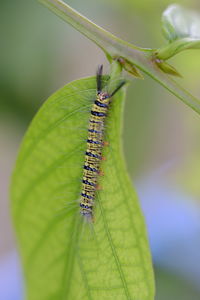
(26, 61)
(179, 22)
(40, 53)
(170, 286)
(188, 175)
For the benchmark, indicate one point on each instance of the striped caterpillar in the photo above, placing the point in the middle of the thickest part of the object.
(95, 143)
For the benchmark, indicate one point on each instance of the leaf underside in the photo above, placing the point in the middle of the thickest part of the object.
(63, 256)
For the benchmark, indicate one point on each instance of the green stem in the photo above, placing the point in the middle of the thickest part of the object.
(115, 72)
(114, 47)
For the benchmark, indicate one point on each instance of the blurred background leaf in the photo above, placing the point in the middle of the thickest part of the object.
(178, 22)
(181, 27)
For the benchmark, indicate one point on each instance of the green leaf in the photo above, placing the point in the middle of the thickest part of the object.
(63, 256)
(181, 28)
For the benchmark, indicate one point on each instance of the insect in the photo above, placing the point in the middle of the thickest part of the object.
(95, 144)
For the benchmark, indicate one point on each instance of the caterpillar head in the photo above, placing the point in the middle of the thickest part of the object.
(104, 97)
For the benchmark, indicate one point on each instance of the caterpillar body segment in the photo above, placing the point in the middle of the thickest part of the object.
(94, 148)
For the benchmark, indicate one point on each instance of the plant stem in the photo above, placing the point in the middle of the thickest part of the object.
(115, 47)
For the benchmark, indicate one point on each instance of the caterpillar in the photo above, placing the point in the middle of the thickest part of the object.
(95, 144)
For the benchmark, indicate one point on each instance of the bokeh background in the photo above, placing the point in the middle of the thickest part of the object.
(39, 54)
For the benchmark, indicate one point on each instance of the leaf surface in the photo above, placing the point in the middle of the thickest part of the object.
(63, 256)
